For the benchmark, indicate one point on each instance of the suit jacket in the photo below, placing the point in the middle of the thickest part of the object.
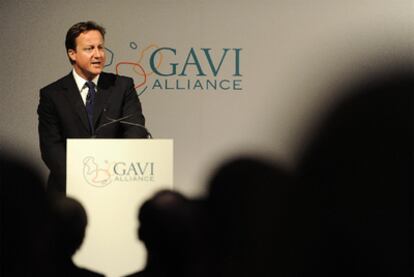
(62, 114)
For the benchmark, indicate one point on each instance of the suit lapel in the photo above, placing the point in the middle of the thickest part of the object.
(105, 85)
(75, 99)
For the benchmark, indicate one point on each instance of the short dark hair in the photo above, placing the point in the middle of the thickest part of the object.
(78, 29)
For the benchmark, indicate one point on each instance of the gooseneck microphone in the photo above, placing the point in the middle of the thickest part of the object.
(122, 120)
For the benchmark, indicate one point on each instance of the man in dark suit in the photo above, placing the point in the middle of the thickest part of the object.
(81, 104)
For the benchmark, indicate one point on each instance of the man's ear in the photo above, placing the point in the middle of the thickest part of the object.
(72, 55)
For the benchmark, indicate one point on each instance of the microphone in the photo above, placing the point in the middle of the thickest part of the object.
(123, 121)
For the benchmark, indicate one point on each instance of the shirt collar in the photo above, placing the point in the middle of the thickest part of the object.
(80, 82)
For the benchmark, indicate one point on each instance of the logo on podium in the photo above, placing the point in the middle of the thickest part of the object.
(96, 175)
(101, 174)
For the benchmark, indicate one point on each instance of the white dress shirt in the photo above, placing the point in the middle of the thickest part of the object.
(81, 83)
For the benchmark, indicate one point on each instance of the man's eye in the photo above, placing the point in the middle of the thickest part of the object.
(88, 49)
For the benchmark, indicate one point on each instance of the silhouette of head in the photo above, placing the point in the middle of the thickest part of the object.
(247, 206)
(70, 222)
(358, 182)
(24, 218)
(166, 230)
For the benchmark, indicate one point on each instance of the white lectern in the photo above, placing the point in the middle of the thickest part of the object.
(112, 178)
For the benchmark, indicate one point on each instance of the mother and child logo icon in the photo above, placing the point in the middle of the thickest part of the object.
(94, 174)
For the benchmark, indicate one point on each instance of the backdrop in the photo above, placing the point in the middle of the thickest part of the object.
(221, 78)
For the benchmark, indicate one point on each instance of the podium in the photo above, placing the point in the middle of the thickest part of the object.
(112, 178)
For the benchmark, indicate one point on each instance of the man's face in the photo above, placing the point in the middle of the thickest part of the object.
(89, 56)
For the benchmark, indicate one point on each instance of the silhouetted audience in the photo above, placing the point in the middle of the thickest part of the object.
(355, 198)
(69, 221)
(39, 234)
(347, 210)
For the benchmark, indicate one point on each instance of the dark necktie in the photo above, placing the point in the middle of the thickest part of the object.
(90, 101)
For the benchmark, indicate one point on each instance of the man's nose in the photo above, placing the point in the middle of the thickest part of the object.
(98, 53)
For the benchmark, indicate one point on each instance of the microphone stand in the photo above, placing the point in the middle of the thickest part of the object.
(122, 120)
